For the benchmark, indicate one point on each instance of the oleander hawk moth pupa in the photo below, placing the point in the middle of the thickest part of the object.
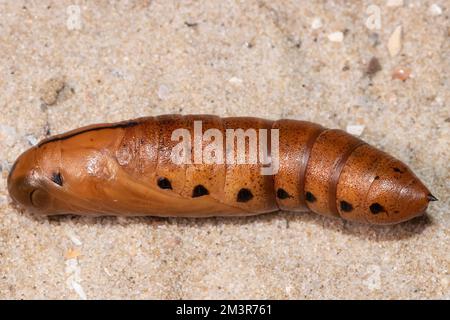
(127, 169)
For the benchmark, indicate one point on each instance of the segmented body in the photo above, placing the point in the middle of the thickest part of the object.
(126, 169)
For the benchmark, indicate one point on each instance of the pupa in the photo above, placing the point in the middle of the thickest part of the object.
(128, 169)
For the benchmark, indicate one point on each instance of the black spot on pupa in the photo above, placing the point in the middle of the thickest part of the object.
(377, 177)
(398, 170)
(164, 183)
(282, 194)
(310, 197)
(57, 178)
(199, 191)
(244, 195)
(376, 208)
(346, 207)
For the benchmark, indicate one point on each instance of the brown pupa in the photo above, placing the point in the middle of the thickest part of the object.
(127, 169)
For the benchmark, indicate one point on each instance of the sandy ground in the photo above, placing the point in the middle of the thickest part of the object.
(64, 66)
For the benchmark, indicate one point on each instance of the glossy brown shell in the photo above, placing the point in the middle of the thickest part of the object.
(125, 169)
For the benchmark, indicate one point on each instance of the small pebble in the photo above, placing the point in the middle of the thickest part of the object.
(316, 23)
(401, 73)
(51, 89)
(435, 10)
(394, 3)
(163, 92)
(355, 129)
(336, 36)
(31, 140)
(373, 66)
(395, 42)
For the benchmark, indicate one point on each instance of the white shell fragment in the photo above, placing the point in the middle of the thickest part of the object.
(336, 36)
(355, 129)
(316, 23)
(78, 289)
(395, 42)
(73, 272)
(435, 10)
(235, 80)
